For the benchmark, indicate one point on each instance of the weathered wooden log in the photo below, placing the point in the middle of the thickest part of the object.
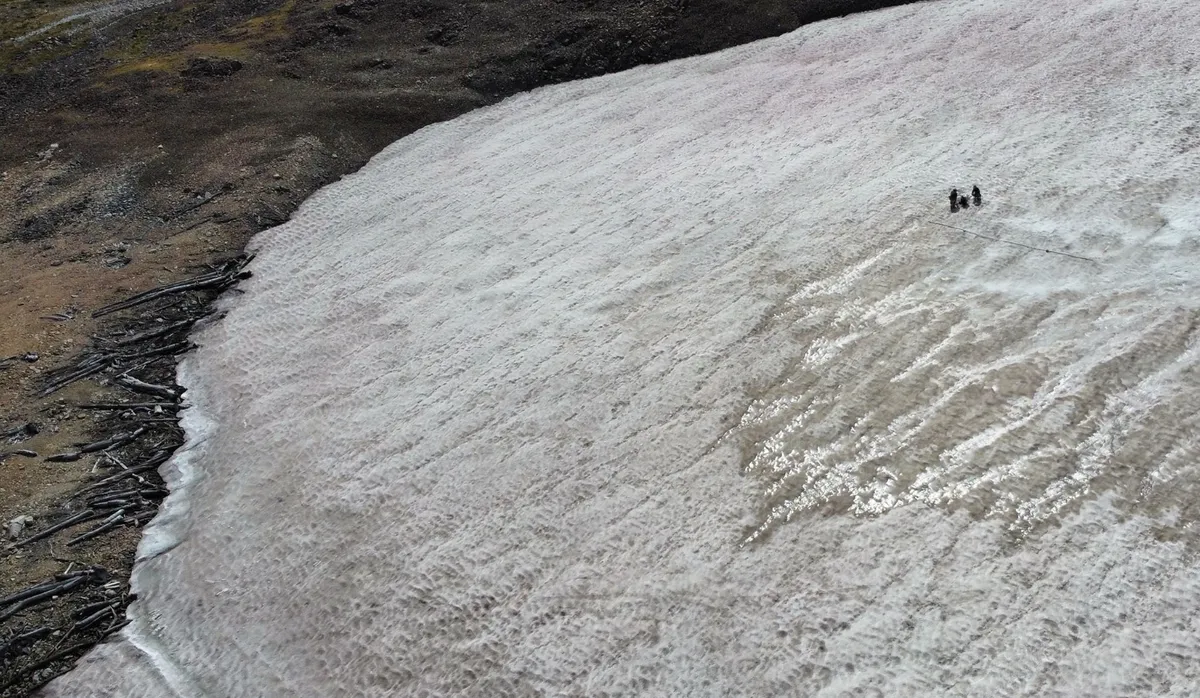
(81, 517)
(91, 368)
(25, 430)
(208, 198)
(147, 388)
(162, 331)
(226, 277)
(95, 617)
(36, 599)
(109, 524)
(89, 571)
(111, 442)
(68, 457)
(200, 282)
(171, 349)
(111, 504)
(127, 492)
(85, 611)
(132, 472)
(142, 517)
(26, 593)
(125, 405)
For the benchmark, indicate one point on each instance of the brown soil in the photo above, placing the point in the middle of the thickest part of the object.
(143, 142)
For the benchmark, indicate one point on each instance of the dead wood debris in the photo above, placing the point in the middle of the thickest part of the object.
(43, 626)
(102, 601)
(126, 405)
(224, 278)
(162, 339)
(145, 388)
(40, 593)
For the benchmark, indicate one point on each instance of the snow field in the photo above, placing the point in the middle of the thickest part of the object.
(668, 383)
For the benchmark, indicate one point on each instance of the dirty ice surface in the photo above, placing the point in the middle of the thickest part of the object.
(669, 383)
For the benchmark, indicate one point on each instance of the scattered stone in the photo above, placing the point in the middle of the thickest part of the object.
(48, 153)
(17, 526)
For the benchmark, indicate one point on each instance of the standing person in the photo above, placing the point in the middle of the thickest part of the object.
(953, 200)
(976, 196)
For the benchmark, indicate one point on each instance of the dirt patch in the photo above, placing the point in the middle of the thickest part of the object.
(144, 141)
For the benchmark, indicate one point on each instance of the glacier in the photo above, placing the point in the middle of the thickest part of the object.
(686, 381)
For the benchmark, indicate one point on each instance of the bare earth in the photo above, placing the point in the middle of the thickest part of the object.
(141, 141)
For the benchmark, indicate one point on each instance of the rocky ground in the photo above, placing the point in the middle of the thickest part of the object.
(143, 142)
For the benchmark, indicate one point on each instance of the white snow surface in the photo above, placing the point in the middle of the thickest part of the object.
(668, 383)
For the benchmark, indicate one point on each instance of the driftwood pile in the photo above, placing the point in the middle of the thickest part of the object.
(85, 604)
(98, 612)
(125, 354)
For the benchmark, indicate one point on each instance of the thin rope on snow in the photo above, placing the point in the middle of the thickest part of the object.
(1017, 244)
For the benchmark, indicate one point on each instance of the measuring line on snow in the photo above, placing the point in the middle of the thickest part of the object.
(1016, 244)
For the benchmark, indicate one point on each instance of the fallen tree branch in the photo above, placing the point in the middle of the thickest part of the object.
(68, 457)
(172, 349)
(142, 517)
(110, 523)
(24, 452)
(132, 472)
(124, 405)
(112, 442)
(162, 331)
(114, 503)
(227, 277)
(83, 624)
(79, 518)
(138, 386)
(88, 368)
(43, 596)
(84, 611)
(31, 591)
